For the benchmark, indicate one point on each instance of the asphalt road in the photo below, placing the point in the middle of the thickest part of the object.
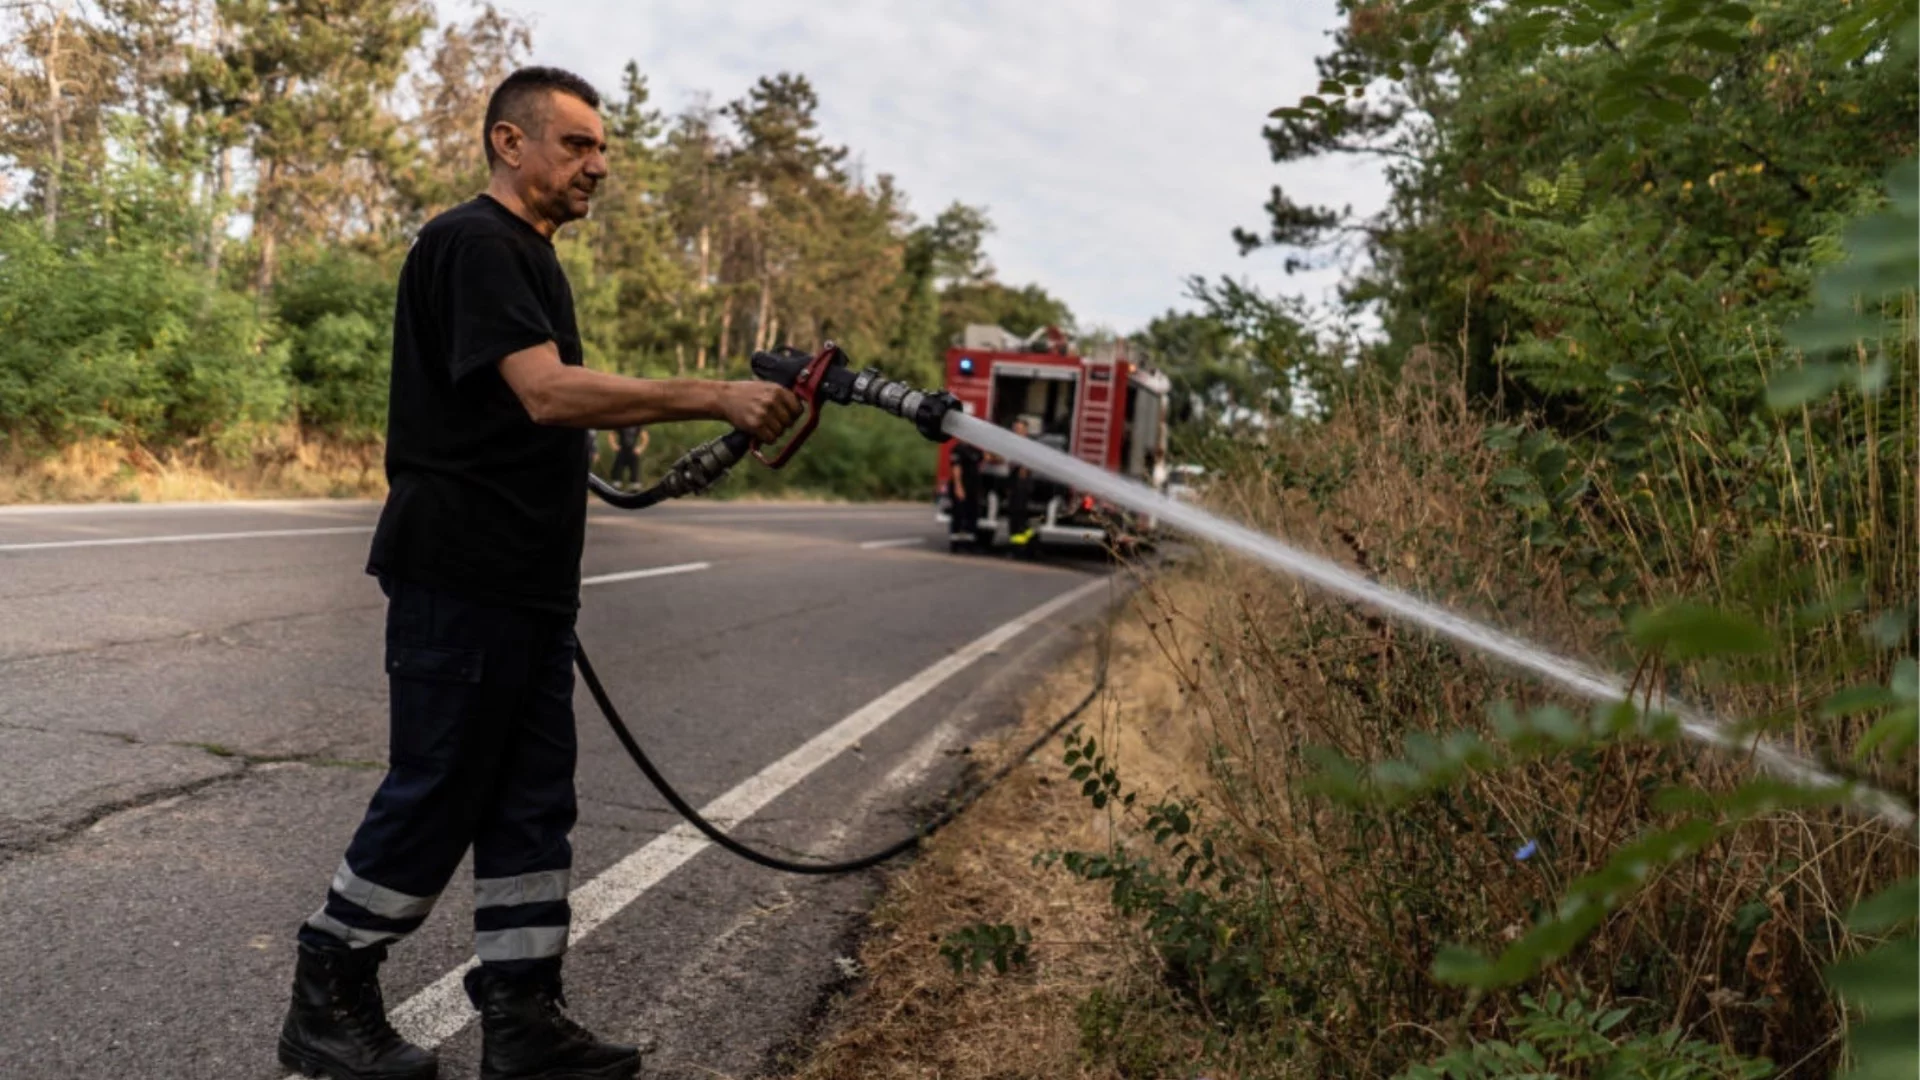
(193, 715)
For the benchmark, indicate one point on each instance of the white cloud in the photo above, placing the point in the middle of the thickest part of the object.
(1116, 142)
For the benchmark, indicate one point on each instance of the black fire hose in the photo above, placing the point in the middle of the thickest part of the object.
(817, 379)
(697, 470)
(774, 862)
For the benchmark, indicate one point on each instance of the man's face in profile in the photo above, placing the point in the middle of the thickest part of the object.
(563, 158)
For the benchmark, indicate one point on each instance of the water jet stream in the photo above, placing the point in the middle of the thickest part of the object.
(1568, 674)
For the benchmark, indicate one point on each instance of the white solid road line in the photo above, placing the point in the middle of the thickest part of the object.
(440, 1010)
(183, 538)
(905, 541)
(651, 571)
(52, 509)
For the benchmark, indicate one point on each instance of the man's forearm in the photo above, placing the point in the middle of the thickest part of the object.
(562, 396)
(583, 398)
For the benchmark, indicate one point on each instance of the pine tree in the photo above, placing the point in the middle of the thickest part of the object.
(309, 83)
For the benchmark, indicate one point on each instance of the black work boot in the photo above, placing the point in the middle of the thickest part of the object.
(337, 1026)
(525, 1035)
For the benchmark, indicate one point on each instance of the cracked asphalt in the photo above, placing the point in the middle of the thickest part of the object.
(190, 729)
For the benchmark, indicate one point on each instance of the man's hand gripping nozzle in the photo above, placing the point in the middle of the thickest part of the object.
(816, 379)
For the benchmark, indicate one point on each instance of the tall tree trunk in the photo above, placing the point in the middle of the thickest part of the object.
(56, 124)
(264, 224)
(263, 277)
(679, 347)
(761, 339)
(726, 329)
(703, 282)
(220, 183)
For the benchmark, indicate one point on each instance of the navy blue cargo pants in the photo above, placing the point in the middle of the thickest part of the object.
(481, 754)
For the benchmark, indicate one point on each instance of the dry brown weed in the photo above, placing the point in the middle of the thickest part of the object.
(1231, 674)
(912, 1016)
(284, 464)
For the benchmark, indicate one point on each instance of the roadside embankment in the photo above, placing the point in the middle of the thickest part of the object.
(860, 457)
(913, 1015)
(1307, 841)
(285, 467)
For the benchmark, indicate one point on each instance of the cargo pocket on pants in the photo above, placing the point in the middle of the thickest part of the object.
(436, 663)
(436, 696)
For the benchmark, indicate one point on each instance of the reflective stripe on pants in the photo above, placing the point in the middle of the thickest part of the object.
(482, 754)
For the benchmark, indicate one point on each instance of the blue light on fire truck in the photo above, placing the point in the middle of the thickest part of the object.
(966, 365)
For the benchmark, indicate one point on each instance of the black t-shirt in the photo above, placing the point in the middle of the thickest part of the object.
(482, 501)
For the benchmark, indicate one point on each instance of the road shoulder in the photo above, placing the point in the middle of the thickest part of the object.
(909, 1014)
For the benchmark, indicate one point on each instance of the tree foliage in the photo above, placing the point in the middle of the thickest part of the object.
(1644, 314)
(210, 200)
(1672, 245)
(1708, 153)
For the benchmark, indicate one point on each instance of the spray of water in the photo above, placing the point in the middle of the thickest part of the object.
(1568, 674)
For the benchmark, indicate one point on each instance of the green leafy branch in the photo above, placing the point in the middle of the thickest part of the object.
(1885, 984)
(1558, 1036)
(1852, 301)
(979, 946)
(1210, 921)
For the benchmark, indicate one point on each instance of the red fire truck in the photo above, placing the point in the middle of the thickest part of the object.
(1103, 407)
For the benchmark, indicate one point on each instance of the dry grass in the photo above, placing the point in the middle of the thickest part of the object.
(912, 1016)
(1225, 676)
(1728, 946)
(286, 465)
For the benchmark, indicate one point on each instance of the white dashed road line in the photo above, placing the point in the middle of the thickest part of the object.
(651, 571)
(183, 538)
(440, 1010)
(905, 541)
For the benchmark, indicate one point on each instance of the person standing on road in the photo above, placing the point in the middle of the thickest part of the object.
(964, 492)
(628, 444)
(1019, 501)
(478, 550)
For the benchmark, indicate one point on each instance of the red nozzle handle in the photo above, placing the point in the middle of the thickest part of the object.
(807, 388)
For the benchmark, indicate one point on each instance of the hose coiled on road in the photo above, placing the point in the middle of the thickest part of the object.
(849, 866)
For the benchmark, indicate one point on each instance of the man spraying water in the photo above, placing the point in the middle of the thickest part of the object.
(478, 549)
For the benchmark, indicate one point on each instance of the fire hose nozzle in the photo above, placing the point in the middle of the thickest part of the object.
(825, 377)
(930, 417)
(925, 410)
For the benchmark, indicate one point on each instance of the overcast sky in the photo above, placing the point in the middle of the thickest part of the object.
(1115, 142)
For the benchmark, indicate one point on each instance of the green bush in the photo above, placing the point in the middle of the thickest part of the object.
(123, 341)
(335, 314)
